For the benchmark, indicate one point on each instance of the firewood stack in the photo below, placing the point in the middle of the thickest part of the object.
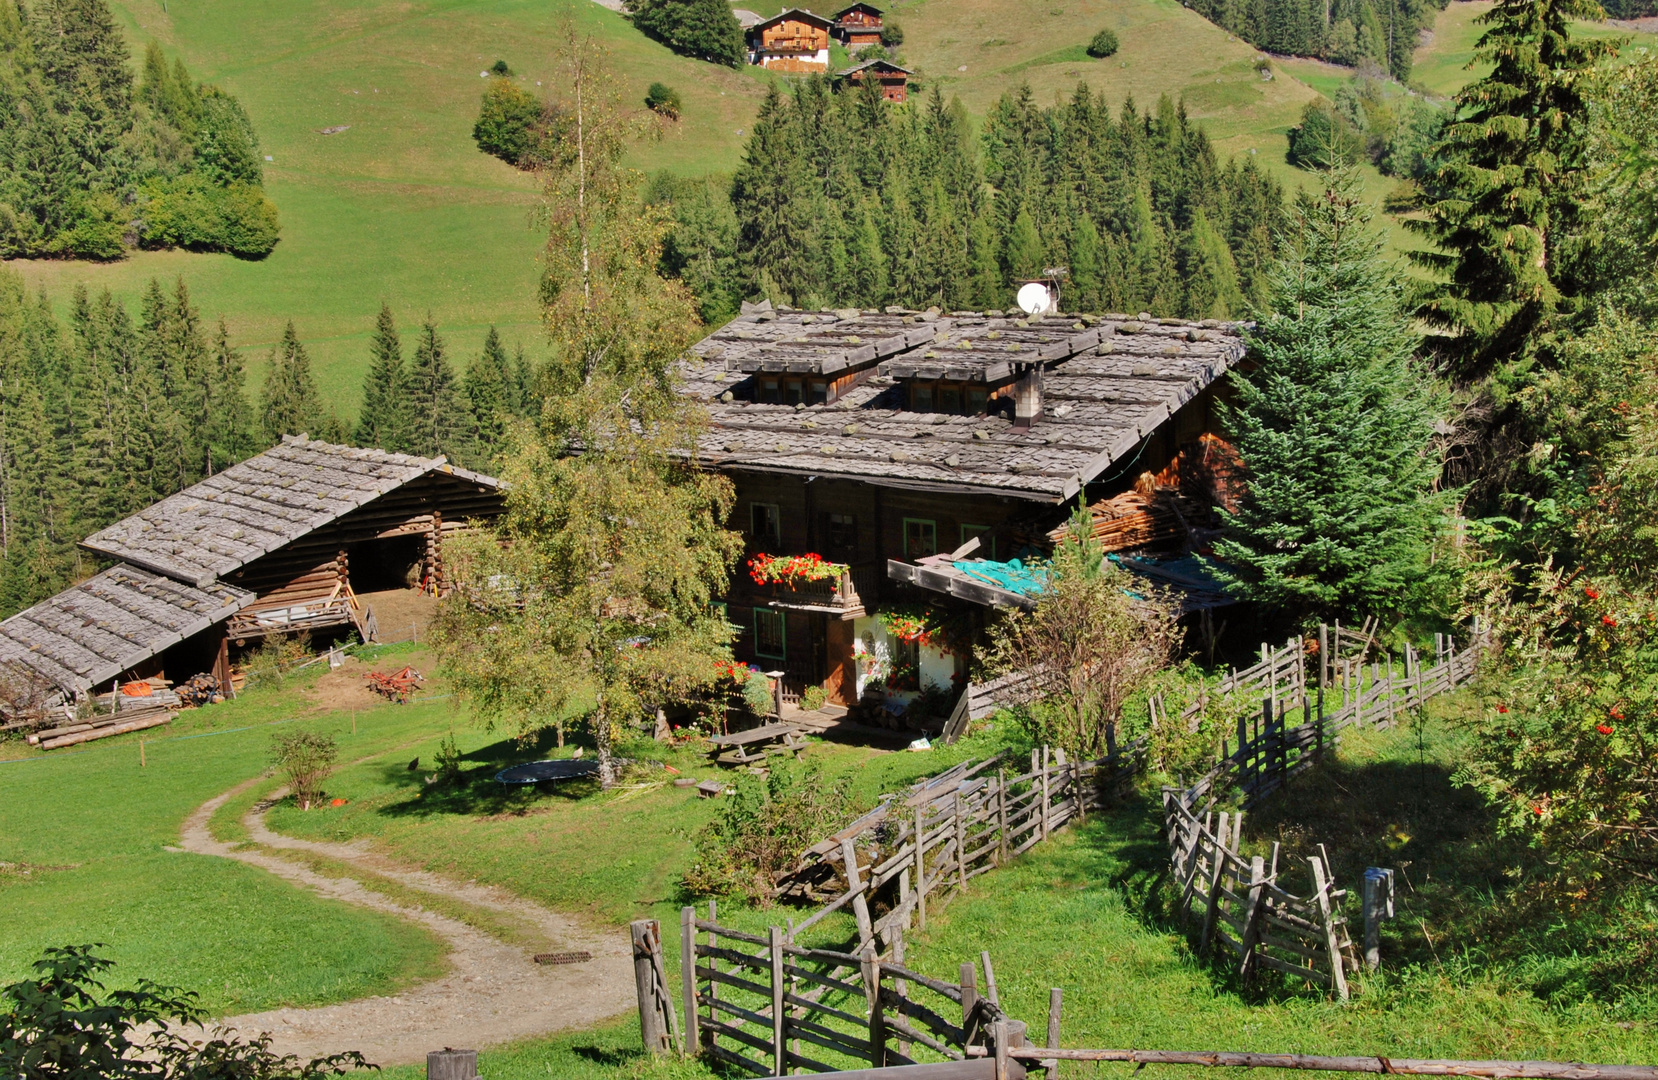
(1168, 508)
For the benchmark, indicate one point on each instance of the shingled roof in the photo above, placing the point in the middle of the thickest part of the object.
(1109, 382)
(95, 630)
(272, 499)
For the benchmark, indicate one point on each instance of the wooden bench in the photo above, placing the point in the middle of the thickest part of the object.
(756, 744)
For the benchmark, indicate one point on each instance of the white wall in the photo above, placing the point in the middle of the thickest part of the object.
(873, 648)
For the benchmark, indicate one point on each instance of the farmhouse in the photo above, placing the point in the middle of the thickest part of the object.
(858, 25)
(795, 40)
(892, 79)
(925, 452)
(283, 542)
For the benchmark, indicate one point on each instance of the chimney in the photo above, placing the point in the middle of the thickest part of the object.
(1027, 395)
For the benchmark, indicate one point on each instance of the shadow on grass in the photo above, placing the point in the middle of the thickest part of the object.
(474, 792)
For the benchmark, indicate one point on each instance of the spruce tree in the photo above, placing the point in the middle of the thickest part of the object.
(228, 428)
(1024, 248)
(488, 394)
(290, 404)
(769, 198)
(1505, 193)
(383, 421)
(1085, 268)
(1334, 423)
(438, 418)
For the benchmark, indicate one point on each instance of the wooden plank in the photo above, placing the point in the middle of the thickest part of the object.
(714, 976)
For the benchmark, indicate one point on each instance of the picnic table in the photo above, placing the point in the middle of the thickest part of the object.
(756, 744)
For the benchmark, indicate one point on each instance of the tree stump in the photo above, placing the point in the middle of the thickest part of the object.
(448, 1064)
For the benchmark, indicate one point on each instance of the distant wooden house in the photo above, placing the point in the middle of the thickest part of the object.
(858, 25)
(281, 543)
(893, 80)
(794, 41)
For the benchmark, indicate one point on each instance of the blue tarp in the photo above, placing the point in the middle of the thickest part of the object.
(1013, 575)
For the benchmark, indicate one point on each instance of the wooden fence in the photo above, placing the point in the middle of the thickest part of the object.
(1243, 903)
(771, 1007)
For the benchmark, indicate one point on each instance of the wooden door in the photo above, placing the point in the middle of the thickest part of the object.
(842, 681)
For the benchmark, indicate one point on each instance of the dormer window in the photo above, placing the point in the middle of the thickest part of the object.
(921, 397)
(977, 399)
(770, 392)
(791, 392)
(817, 392)
(949, 399)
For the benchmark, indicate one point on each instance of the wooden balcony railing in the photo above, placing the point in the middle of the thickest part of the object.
(852, 591)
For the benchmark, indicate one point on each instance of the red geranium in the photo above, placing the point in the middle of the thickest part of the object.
(1502, 708)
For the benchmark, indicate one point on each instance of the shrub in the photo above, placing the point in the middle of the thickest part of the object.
(193, 212)
(1324, 139)
(1103, 45)
(757, 695)
(705, 29)
(500, 68)
(892, 35)
(507, 122)
(306, 758)
(279, 652)
(663, 99)
(59, 1022)
(764, 827)
(813, 698)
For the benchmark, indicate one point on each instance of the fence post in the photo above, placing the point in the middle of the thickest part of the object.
(1044, 791)
(961, 844)
(714, 967)
(1378, 905)
(920, 869)
(969, 1002)
(1252, 916)
(688, 976)
(1324, 654)
(1001, 815)
(779, 1049)
(1056, 1000)
(899, 986)
(860, 905)
(652, 1028)
(1217, 860)
(877, 1023)
(1331, 942)
(998, 1036)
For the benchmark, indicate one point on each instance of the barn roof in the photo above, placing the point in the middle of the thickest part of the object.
(879, 65)
(798, 15)
(850, 8)
(1108, 383)
(270, 500)
(107, 624)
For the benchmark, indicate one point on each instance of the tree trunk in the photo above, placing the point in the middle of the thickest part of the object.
(601, 736)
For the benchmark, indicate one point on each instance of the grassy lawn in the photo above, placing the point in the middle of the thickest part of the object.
(92, 829)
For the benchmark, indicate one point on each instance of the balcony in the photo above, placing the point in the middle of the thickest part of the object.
(844, 597)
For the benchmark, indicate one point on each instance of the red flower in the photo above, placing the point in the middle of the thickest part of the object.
(1604, 729)
(1591, 594)
(1615, 713)
(1607, 620)
(1502, 708)
(1538, 810)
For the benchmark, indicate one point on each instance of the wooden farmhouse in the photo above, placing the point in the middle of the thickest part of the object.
(286, 541)
(794, 41)
(926, 452)
(858, 25)
(892, 79)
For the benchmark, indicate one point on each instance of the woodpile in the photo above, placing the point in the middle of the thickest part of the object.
(1164, 517)
(102, 726)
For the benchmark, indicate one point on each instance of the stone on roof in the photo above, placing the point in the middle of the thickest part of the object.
(108, 624)
(266, 502)
(1109, 382)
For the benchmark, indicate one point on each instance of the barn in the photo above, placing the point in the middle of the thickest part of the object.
(284, 542)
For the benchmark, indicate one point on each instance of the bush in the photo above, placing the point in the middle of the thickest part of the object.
(1324, 139)
(507, 122)
(757, 695)
(1103, 45)
(813, 697)
(764, 827)
(265, 666)
(306, 758)
(892, 35)
(194, 212)
(60, 1023)
(663, 99)
(500, 68)
(705, 29)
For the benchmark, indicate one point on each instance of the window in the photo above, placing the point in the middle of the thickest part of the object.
(791, 392)
(841, 535)
(769, 638)
(770, 394)
(920, 538)
(976, 399)
(921, 397)
(817, 392)
(765, 524)
(987, 542)
(906, 665)
(949, 399)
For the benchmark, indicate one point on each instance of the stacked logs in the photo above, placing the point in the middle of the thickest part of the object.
(1161, 517)
(102, 727)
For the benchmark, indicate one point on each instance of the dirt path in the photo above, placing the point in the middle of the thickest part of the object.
(493, 993)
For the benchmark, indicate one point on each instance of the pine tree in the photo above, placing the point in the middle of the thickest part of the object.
(488, 394)
(1335, 425)
(228, 426)
(1024, 248)
(1512, 172)
(1085, 267)
(769, 198)
(383, 421)
(438, 418)
(290, 404)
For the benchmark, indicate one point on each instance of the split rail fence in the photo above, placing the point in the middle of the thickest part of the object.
(1241, 901)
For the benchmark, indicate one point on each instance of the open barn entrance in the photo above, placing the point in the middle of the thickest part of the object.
(395, 562)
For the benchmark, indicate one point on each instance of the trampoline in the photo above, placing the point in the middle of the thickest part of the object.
(537, 771)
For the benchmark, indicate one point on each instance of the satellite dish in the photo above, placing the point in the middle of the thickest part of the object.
(1034, 297)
